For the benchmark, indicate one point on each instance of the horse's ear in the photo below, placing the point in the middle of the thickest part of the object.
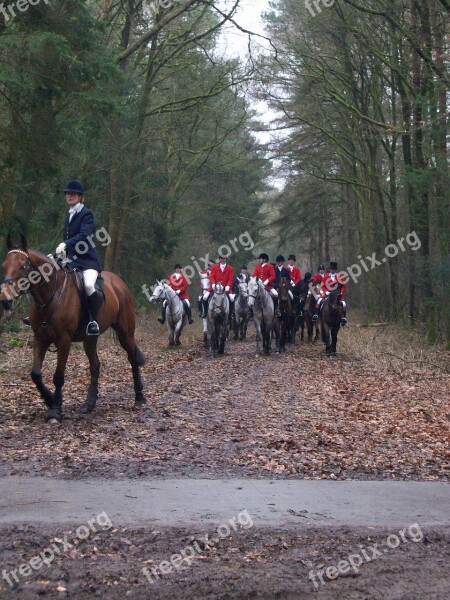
(23, 242)
(9, 244)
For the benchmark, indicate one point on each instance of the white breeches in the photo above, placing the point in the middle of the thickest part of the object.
(232, 297)
(205, 295)
(291, 295)
(89, 278)
(344, 305)
(273, 292)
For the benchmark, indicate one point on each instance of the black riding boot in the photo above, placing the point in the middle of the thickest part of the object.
(276, 309)
(94, 302)
(188, 311)
(200, 307)
(162, 318)
(26, 321)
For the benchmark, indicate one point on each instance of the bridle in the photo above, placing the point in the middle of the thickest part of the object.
(29, 267)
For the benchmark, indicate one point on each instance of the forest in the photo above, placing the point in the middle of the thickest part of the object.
(141, 102)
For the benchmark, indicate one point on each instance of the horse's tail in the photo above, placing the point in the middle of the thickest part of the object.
(139, 356)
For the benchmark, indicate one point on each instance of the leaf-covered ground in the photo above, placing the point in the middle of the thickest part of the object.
(358, 415)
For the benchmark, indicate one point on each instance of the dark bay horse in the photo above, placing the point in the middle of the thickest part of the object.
(283, 324)
(218, 313)
(307, 319)
(330, 320)
(57, 317)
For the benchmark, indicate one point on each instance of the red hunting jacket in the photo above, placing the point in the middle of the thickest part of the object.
(225, 277)
(296, 274)
(264, 272)
(179, 282)
(330, 282)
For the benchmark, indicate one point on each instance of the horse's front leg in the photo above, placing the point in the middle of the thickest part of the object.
(258, 337)
(90, 347)
(39, 351)
(171, 332)
(177, 331)
(334, 335)
(54, 414)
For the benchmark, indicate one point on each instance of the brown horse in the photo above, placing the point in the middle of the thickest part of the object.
(58, 317)
(282, 324)
(308, 312)
(330, 320)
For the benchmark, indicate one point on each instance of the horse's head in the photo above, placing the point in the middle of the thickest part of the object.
(283, 288)
(218, 289)
(253, 290)
(204, 281)
(334, 302)
(243, 288)
(158, 292)
(16, 267)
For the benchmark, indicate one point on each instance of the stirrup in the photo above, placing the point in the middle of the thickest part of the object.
(26, 321)
(92, 328)
(315, 318)
(343, 321)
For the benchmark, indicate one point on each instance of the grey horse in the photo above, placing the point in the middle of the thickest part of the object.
(176, 316)
(241, 310)
(218, 312)
(263, 311)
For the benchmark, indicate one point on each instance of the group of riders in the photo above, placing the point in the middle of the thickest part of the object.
(269, 273)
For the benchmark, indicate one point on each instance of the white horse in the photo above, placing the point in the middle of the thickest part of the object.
(263, 312)
(241, 310)
(218, 313)
(176, 315)
(204, 282)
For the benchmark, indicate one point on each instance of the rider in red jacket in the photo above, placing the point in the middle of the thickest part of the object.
(266, 272)
(330, 281)
(178, 282)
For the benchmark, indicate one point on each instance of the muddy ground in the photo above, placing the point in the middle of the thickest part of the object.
(300, 415)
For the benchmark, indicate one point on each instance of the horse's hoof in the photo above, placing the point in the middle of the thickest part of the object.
(54, 416)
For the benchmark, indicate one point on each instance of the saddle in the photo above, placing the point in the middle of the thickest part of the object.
(85, 317)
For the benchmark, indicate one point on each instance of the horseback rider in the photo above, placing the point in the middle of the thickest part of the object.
(282, 271)
(243, 275)
(178, 282)
(296, 274)
(79, 226)
(265, 271)
(318, 277)
(223, 273)
(204, 296)
(331, 281)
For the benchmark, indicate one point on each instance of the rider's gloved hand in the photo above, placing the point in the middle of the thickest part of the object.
(227, 288)
(178, 292)
(61, 250)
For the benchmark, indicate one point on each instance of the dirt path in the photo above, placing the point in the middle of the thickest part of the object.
(300, 415)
